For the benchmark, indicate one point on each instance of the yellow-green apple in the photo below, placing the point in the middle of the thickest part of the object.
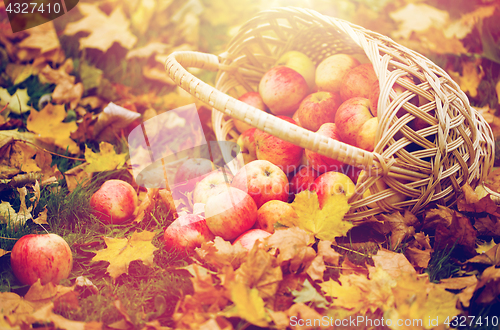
(248, 239)
(253, 99)
(358, 82)
(317, 109)
(114, 202)
(186, 233)
(282, 90)
(303, 179)
(379, 185)
(230, 213)
(46, 257)
(213, 184)
(271, 213)
(301, 63)
(367, 134)
(281, 153)
(331, 70)
(352, 172)
(320, 162)
(350, 117)
(333, 183)
(246, 142)
(375, 94)
(263, 180)
(190, 172)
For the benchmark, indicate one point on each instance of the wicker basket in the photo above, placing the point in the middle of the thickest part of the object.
(456, 147)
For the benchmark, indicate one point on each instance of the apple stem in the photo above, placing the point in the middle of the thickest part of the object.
(44, 228)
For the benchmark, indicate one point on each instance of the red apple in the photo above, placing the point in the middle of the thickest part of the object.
(317, 109)
(213, 184)
(191, 172)
(350, 117)
(272, 212)
(295, 117)
(114, 202)
(231, 213)
(367, 134)
(255, 100)
(303, 179)
(186, 233)
(248, 239)
(331, 70)
(282, 90)
(358, 82)
(333, 183)
(281, 153)
(320, 162)
(263, 180)
(246, 142)
(45, 256)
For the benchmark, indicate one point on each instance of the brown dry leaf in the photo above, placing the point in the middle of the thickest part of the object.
(485, 246)
(42, 37)
(466, 284)
(111, 120)
(490, 279)
(349, 268)
(66, 92)
(40, 295)
(18, 72)
(440, 216)
(43, 160)
(417, 18)
(85, 129)
(3, 252)
(493, 179)
(104, 30)
(219, 253)
(328, 253)
(417, 257)
(127, 321)
(460, 232)
(121, 251)
(395, 264)
(48, 124)
(49, 75)
(42, 217)
(316, 268)
(490, 257)
(77, 175)
(14, 309)
(149, 49)
(434, 40)
(46, 315)
(21, 157)
(401, 226)
(470, 78)
(293, 246)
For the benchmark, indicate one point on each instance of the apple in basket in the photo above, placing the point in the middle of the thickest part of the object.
(114, 202)
(246, 142)
(375, 94)
(186, 233)
(230, 213)
(317, 109)
(333, 183)
(358, 82)
(320, 162)
(263, 181)
(281, 153)
(213, 184)
(271, 213)
(248, 239)
(301, 63)
(367, 134)
(192, 171)
(331, 70)
(379, 185)
(350, 118)
(255, 100)
(303, 179)
(282, 90)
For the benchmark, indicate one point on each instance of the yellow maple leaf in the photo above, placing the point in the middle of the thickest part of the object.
(21, 157)
(104, 30)
(248, 305)
(18, 103)
(48, 124)
(325, 224)
(105, 160)
(121, 251)
(469, 80)
(483, 248)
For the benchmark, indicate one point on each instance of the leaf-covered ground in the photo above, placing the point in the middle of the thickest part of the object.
(71, 91)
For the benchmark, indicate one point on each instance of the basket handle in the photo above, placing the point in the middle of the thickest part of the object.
(323, 145)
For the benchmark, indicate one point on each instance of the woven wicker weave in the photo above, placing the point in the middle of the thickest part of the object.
(427, 166)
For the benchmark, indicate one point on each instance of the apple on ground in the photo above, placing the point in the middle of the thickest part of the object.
(282, 90)
(114, 202)
(263, 180)
(46, 257)
(358, 82)
(303, 180)
(272, 212)
(320, 162)
(186, 233)
(213, 184)
(255, 100)
(248, 239)
(333, 183)
(378, 186)
(230, 213)
(192, 171)
(281, 153)
(246, 142)
(350, 117)
(331, 70)
(367, 134)
(317, 109)
(301, 63)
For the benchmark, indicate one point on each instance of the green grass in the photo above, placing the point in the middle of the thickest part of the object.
(441, 265)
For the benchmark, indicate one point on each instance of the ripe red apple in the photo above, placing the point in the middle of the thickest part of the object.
(350, 117)
(271, 213)
(358, 82)
(367, 134)
(331, 70)
(45, 256)
(186, 233)
(213, 184)
(282, 90)
(191, 172)
(246, 142)
(263, 180)
(254, 99)
(295, 117)
(301, 63)
(114, 202)
(303, 179)
(281, 153)
(249, 238)
(333, 183)
(317, 109)
(230, 213)
(320, 162)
